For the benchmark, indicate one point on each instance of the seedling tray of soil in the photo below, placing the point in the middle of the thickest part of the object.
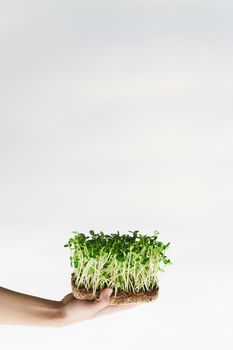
(127, 263)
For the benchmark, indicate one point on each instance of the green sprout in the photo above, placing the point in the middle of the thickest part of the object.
(123, 262)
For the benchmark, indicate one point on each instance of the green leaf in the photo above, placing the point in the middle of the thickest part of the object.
(123, 261)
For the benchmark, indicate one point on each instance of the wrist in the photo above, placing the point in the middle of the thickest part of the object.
(50, 313)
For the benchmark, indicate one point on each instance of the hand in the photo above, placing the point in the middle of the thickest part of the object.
(78, 310)
(23, 309)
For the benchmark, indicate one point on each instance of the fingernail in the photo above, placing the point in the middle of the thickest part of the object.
(106, 293)
(109, 292)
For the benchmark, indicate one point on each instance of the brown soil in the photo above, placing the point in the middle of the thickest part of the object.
(120, 298)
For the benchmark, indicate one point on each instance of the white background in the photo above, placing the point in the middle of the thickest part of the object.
(118, 115)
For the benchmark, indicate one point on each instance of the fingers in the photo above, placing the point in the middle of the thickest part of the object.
(102, 302)
(77, 310)
(112, 309)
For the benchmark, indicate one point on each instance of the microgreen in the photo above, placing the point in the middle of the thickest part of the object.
(124, 262)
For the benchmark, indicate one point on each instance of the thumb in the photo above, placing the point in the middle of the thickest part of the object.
(105, 294)
(103, 300)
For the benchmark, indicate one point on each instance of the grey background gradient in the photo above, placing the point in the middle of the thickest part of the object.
(118, 115)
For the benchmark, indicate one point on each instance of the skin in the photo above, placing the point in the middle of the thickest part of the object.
(23, 309)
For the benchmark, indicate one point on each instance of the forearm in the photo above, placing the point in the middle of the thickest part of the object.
(22, 309)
